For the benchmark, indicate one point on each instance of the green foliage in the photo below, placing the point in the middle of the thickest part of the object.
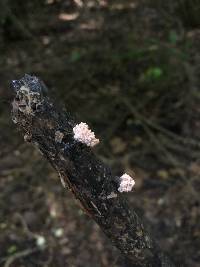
(75, 56)
(12, 249)
(152, 74)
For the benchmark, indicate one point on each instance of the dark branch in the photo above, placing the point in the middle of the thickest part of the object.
(90, 180)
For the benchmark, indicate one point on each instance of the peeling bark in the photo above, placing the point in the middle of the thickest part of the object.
(90, 180)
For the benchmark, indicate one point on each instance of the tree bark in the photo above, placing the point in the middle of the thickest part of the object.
(90, 180)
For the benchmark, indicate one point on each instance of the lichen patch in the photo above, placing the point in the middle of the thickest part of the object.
(58, 136)
(28, 100)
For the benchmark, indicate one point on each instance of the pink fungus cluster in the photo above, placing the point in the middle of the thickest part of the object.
(126, 183)
(83, 134)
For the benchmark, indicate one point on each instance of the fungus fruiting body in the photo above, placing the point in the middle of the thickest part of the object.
(83, 134)
(126, 183)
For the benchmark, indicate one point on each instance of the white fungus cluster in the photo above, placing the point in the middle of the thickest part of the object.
(83, 134)
(126, 183)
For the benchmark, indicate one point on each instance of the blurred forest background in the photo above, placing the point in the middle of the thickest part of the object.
(136, 66)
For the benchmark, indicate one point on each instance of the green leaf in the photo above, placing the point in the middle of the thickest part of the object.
(75, 56)
(12, 249)
(154, 73)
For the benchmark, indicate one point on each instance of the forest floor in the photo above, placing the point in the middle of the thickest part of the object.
(138, 70)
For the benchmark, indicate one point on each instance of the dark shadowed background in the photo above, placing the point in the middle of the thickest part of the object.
(130, 69)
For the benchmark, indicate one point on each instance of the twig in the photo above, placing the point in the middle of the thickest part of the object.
(158, 127)
(20, 254)
(91, 181)
(160, 146)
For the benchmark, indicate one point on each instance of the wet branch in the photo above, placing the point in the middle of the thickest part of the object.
(90, 180)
